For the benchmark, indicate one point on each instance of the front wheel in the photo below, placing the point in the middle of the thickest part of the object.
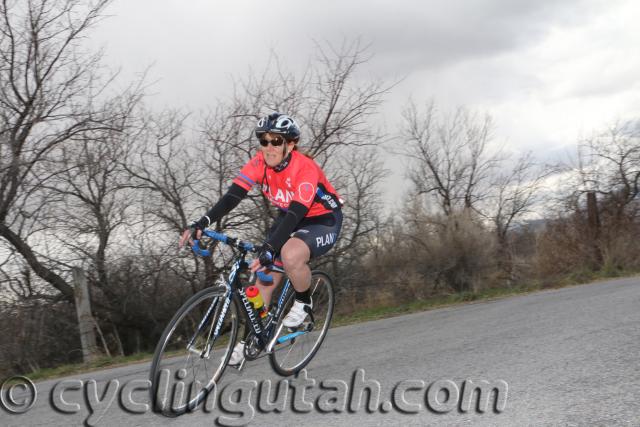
(295, 348)
(187, 362)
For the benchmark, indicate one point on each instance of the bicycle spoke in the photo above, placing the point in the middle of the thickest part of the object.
(197, 366)
(294, 349)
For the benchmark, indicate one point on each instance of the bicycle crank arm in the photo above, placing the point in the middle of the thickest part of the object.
(273, 341)
(290, 336)
(239, 366)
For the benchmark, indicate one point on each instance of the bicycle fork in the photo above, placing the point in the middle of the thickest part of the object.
(213, 331)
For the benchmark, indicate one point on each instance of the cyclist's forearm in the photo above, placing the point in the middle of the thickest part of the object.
(230, 200)
(294, 215)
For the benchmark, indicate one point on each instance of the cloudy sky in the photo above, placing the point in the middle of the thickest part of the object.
(549, 72)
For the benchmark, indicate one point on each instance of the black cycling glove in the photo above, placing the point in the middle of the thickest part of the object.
(266, 255)
(200, 224)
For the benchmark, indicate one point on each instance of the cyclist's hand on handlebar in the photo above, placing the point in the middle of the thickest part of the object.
(266, 256)
(256, 266)
(194, 232)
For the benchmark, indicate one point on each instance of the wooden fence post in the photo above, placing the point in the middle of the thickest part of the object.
(593, 219)
(85, 320)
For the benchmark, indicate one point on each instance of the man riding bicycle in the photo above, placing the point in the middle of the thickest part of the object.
(309, 219)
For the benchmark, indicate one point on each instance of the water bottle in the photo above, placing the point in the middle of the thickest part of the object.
(253, 295)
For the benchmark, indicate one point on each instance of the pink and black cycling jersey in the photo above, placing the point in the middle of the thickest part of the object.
(300, 181)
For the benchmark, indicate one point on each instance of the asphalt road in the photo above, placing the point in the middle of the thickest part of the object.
(560, 357)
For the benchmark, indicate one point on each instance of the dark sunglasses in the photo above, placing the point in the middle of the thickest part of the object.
(276, 142)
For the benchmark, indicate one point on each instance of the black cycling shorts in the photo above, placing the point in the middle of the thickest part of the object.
(320, 233)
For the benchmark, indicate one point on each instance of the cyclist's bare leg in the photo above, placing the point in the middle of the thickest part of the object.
(266, 288)
(266, 291)
(295, 255)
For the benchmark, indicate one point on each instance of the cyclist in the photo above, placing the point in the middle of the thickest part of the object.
(309, 219)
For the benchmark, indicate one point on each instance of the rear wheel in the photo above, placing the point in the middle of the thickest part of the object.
(187, 364)
(295, 348)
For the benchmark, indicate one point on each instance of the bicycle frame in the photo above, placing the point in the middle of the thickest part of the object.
(233, 287)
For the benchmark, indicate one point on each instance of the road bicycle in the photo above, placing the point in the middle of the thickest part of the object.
(196, 345)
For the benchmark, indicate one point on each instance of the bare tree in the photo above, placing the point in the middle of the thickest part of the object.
(333, 108)
(515, 193)
(91, 186)
(451, 157)
(165, 171)
(161, 164)
(51, 95)
(605, 222)
(471, 184)
(338, 111)
(609, 165)
(362, 175)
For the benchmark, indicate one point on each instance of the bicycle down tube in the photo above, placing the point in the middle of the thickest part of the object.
(263, 332)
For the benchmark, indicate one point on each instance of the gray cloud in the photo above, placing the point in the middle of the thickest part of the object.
(536, 66)
(492, 55)
(409, 34)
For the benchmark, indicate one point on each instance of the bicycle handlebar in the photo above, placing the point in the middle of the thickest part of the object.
(220, 237)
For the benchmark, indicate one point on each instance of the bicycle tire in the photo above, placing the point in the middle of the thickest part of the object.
(180, 330)
(283, 357)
